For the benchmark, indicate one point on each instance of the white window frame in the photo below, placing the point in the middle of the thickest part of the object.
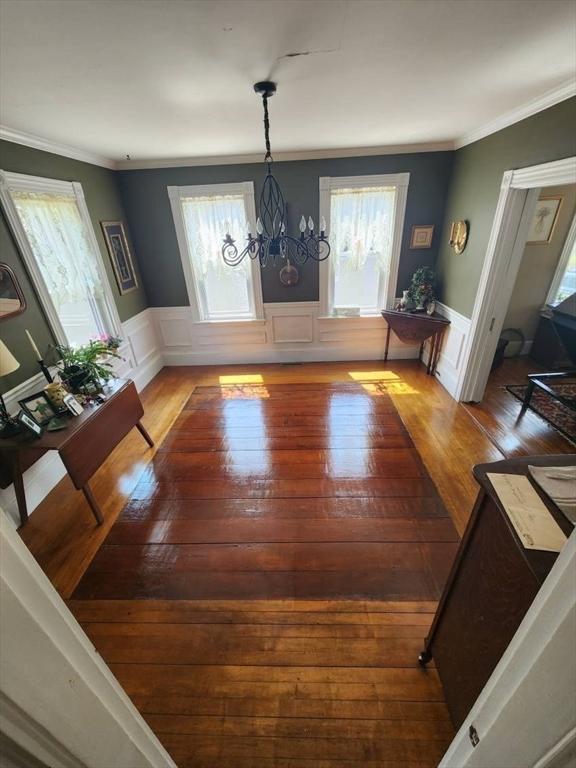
(388, 285)
(562, 264)
(16, 182)
(245, 188)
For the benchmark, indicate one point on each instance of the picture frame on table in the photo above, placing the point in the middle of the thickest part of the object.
(120, 256)
(38, 407)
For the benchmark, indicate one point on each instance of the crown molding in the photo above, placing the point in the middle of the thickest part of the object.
(312, 154)
(36, 142)
(565, 91)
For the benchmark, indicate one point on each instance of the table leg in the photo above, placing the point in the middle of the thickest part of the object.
(438, 348)
(145, 434)
(431, 354)
(527, 397)
(19, 489)
(387, 343)
(96, 511)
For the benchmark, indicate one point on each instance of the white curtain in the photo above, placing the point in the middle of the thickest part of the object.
(361, 224)
(58, 240)
(208, 219)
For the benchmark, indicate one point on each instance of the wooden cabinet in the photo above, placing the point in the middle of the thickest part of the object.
(492, 584)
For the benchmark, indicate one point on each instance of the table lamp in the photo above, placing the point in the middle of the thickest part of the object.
(8, 364)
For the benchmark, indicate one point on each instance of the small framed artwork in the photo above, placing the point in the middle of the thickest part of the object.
(544, 220)
(120, 255)
(30, 424)
(422, 236)
(38, 407)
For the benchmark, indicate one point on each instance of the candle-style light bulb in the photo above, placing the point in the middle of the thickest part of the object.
(227, 225)
(259, 227)
(322, 224)
(302, 224)
(310, 223)
(33, 345)
(283, 229)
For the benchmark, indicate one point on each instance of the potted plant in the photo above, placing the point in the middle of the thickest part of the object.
(83, 369)
(421, 289)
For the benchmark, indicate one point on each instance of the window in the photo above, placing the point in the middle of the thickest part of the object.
(203, 215)
(564, 282)
(51, 224)
(365, 216)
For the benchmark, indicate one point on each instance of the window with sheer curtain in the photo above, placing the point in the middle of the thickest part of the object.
(63, 258)
(203, 216)
(363, 229)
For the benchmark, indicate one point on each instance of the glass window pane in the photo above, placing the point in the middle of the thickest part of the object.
(361, 232)
(57, 237)
(224, 291)
(568, 283)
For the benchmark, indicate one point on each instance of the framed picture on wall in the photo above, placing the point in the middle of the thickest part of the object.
(120, 255)
(422, 236)
(544, 220)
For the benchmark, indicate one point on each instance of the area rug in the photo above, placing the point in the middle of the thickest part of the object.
(558, 415)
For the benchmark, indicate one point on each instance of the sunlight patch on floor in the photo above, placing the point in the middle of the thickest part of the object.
(382, 382)
(245, 378)
(372, 375)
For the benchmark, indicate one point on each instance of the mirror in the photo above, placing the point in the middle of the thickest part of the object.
(12, 301)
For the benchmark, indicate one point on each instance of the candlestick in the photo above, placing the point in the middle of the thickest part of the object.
(33, 345)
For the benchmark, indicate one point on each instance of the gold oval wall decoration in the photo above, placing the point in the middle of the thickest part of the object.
(459, 235)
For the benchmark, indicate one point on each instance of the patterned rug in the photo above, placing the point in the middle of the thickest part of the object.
(558, 415)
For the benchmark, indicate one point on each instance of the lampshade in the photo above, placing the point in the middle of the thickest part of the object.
(8, 363)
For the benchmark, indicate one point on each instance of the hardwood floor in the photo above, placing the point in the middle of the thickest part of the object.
(498, 415)
(275, 682)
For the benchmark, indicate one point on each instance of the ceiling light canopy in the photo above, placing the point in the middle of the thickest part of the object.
(270, 238)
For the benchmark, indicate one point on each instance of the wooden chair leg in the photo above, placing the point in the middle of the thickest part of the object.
(145, 434)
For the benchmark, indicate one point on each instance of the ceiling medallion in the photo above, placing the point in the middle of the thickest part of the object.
(270, 238)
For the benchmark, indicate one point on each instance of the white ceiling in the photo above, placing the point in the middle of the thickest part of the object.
(160, 79)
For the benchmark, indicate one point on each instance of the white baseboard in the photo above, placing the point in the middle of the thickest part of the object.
(142, 361)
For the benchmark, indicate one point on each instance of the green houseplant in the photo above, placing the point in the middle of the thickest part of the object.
(421, 289)
(83, 369)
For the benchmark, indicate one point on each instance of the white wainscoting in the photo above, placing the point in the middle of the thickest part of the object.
(451, 354)
(291, 332)
(142, 361)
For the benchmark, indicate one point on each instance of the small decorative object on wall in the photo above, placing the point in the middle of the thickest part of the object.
(459, 235)
(544, 220)
(38, 407)
(120, 256)
(422, 236)
(12, 301)
(289, 275)
(421, 289)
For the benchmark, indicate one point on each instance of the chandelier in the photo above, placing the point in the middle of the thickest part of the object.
(270, 238)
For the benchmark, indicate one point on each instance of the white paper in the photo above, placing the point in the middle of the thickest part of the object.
(530, 517)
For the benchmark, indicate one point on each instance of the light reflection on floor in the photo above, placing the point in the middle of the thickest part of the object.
(342, 463)
(247, 462)
(128, 480)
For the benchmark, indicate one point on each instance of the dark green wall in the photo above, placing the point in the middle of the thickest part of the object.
(147, 206)
(475, 188)
(104, 203)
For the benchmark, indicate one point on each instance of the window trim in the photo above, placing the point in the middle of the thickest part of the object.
(562, 265)
(23, 182)
(175, 194)
(388, 286)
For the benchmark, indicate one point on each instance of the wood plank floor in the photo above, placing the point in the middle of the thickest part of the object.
(254, 552)
(277, 682)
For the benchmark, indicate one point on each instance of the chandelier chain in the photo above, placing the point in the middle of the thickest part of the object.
(268, 156)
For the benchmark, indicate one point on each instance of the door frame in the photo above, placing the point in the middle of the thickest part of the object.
(519, 192)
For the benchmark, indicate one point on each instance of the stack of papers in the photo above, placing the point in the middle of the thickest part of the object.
(559, 483)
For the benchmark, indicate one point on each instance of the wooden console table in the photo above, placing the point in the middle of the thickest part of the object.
(493, 582)
(83, 446)
(417, 328)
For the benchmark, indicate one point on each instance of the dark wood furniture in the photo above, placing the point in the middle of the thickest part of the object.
(417, 327)
(492, 584)
(546, 382)
(83, 446)
(547, 348)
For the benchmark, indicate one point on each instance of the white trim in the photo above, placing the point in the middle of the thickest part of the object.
(563, 263)
(326, 184)
(175, 195)
(518, 197)
(535, 677)
(565, 91)
(55, 148)
(18, 181)
(52, 673)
